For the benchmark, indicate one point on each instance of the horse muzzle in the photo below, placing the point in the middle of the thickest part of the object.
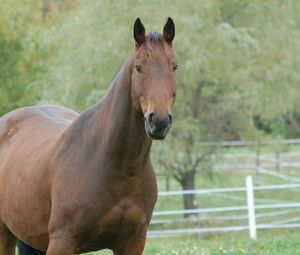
(157, 127)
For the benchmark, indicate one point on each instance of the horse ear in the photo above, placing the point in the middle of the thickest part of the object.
(139, 31)
(169, 30)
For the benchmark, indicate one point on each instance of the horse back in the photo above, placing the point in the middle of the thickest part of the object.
(48, 119)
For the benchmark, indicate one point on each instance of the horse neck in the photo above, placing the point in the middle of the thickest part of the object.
(116, 130)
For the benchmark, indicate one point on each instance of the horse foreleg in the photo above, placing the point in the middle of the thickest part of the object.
(7, 241)
(133, 247)
(61, 247)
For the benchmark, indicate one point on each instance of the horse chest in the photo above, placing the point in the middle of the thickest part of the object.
(122, 222)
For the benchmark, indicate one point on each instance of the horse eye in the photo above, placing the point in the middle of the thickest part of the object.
(174, 67)
(138, 68)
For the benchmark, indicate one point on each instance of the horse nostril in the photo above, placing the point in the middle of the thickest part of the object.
(150, 117)
(170, 118)
(155, 121)
(158, 125)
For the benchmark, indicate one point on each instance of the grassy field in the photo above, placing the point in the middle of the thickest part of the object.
(279, 242)
(283, 242)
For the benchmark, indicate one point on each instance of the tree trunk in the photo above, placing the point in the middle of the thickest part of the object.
(188, 183)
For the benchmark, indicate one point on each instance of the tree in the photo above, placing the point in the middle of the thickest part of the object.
(237, 76)
(19, 56)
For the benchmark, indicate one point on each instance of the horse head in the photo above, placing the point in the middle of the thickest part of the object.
(153, 78)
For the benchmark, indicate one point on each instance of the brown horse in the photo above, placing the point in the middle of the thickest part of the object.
(74, 183)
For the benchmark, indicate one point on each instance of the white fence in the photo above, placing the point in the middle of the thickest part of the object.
(249, 213)
(252, 212)
(280, 159)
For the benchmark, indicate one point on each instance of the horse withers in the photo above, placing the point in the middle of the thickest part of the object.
(74, 183)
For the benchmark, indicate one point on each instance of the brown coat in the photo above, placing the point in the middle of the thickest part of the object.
(74, 183)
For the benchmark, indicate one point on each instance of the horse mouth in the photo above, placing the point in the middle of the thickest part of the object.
(156, 134)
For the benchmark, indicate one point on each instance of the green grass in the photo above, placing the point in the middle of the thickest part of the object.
(280, 242)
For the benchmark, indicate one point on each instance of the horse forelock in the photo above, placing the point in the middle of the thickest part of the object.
(153, 39)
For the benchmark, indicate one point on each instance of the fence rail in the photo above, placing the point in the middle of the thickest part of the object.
(224, 190)
(180, 232)
(250, 207)
(250, 143)
(280, 165)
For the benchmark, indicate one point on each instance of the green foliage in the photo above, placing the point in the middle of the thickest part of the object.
(19, 56)
(238, 76)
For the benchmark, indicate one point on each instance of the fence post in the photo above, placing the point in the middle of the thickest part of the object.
(251, 209)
